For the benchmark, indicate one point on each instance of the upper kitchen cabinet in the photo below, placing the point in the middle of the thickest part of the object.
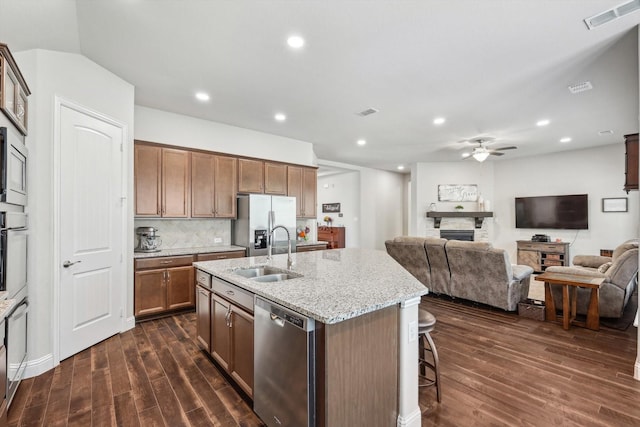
(275, 178)
(302, 183)
(250, 176)
(13, 90)
(162, 181)
(213, 186)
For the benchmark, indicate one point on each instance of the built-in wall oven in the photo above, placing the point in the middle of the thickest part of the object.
(13, 280)
(13, 175)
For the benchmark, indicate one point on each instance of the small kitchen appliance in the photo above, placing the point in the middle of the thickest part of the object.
(148, 240)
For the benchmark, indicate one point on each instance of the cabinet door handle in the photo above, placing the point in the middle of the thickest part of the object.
(230, 293)
(166, 262)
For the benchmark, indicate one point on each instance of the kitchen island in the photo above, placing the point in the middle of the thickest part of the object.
(365, 306)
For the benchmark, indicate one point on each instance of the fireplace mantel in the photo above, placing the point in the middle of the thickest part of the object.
(478, 216)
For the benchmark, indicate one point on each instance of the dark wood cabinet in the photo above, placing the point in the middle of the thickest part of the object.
(228, 310)
(275, 178)
(162, 181)
(213, 186)
(631, 162)
(310, 248)
(203, 317)
(250, 176)
(302, 183)
(163, 285)
(333, 235)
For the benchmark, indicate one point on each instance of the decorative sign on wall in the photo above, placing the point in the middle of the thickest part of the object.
(330, 207)
(457, 193)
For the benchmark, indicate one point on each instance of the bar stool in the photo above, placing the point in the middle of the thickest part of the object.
(426, 323)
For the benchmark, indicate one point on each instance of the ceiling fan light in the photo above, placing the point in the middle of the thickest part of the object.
(481, 156)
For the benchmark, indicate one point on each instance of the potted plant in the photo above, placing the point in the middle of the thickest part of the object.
(459, 207)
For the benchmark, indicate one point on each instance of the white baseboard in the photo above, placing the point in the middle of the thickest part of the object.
(413, 419)
(39, 366)
(128, 323)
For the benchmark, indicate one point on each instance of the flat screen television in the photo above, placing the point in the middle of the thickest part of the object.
(570, 212)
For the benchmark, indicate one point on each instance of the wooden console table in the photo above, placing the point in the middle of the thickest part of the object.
(570, 297)
(333, 235)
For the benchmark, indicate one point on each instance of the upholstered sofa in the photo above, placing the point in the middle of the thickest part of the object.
(620, 274)
(471, 270)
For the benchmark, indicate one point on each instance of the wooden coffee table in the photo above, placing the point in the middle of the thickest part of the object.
(569, 298)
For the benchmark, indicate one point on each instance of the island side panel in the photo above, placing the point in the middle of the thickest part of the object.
(357, 371)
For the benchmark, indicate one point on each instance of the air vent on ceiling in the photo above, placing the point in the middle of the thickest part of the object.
(611, 14)
(367, 112)
(580, 87)
(605, 132)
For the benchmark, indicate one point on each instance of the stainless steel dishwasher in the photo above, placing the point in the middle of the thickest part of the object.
(284, 368)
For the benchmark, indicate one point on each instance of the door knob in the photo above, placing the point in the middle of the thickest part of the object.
(68, 264)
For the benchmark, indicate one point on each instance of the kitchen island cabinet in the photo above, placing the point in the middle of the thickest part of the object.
(363, 304)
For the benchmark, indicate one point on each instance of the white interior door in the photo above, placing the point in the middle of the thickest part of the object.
(91, 228)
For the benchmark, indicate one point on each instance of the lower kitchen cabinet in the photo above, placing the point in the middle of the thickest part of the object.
(203, 317)
(230, 317)
(232, 341)
(163, 285)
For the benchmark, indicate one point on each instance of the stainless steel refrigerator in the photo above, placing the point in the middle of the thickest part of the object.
(259, 213)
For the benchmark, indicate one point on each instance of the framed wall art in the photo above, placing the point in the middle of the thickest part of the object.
(457, 193)
(615, 204)
(330, 207)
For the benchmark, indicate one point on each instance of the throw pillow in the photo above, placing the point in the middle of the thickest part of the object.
(604, 267)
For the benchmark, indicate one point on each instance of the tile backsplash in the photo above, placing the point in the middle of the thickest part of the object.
(188, 233)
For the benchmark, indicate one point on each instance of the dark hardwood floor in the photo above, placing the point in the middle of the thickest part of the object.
(497, 369)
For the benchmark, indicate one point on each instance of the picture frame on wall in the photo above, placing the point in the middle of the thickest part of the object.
(330, 207)
(615, 204)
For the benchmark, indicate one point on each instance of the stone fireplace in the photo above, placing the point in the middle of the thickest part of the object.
(465, 225)
(467, 235)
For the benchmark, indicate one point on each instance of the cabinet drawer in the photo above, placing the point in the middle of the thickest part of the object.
(164, 262)
(233, 293)
(203, 279)
(220, 255)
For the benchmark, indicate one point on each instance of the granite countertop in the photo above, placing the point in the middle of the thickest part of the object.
(6, 305)
(188, 251)
(336, 285)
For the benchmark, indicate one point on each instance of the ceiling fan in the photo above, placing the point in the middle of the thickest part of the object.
(481, 152)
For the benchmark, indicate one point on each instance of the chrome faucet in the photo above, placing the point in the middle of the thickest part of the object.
(270, 238)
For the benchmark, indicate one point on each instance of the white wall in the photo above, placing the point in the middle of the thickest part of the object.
(598, 172)
(372, 202)
(75, 78)
(175, 129)
(425, 178)
(343, 188)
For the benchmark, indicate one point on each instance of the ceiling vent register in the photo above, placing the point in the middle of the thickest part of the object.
(580, 87)
(612, 14)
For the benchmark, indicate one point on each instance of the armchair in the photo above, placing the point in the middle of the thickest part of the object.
(619, 271)
(412, 255)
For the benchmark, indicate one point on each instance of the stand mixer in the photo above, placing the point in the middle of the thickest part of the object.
(148, 240)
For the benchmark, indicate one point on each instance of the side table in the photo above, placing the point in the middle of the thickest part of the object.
(569, 298)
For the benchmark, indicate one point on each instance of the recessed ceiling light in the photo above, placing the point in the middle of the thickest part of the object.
(565, 139)
(400, 167)
(295, 42)
(439, 120)
(280, 117)
(543, 122)
(201, 96)
(361, 142)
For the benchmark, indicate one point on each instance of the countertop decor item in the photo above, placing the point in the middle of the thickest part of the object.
(328, 220)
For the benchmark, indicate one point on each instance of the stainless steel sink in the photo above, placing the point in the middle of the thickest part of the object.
(257, 271)
(279, 277)
(266, 274)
